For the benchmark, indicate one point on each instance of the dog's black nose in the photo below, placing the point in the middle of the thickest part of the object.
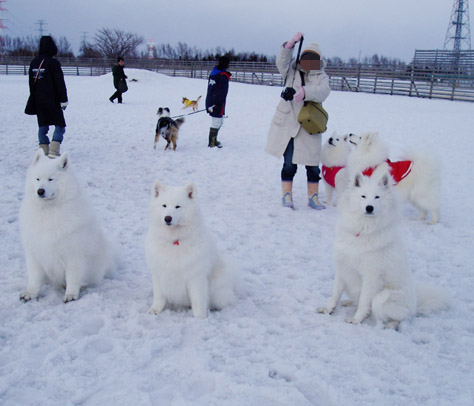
(40, 192)
(369, 209)
(168, 220)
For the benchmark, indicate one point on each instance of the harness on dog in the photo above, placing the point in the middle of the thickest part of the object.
(329, 174)
(164, 123)
(187, 102)
(398, 170)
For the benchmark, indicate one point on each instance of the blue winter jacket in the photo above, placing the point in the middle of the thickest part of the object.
(217, 88)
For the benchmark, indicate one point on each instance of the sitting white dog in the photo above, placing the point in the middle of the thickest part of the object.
(186, 267)
(371, 261)
(61, 237)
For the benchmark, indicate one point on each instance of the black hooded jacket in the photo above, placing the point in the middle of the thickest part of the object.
(47, 86)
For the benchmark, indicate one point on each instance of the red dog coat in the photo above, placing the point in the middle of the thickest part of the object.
(399, 170)
(329, 174)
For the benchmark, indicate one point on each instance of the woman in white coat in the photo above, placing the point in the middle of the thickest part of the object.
(286, 136)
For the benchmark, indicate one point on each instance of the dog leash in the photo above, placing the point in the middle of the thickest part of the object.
(194, 112)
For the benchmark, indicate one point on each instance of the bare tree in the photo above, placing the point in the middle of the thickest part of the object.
(21, 46)
(64, 47)
(114, 42)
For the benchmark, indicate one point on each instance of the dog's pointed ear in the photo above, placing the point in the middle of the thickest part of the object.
(382, 173)
(63, 161)
(358, 179)
(385, 181)
(191, 190)
(157, 188)
(39, 154)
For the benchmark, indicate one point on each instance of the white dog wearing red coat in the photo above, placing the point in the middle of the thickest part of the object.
(371, 260)
(187, 269)
(417, 177)
(334, 154)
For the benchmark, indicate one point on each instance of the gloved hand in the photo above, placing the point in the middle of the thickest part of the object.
(64, 105)
(294, 39)
(299, 95)
(210, 109)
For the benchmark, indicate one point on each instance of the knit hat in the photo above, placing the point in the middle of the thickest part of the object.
(312, 49)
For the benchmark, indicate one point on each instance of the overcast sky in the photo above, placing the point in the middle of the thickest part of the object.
(344, 28)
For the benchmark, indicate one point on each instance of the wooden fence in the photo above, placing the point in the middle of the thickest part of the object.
(413, 81)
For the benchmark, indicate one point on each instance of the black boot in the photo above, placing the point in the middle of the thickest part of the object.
(213, 138)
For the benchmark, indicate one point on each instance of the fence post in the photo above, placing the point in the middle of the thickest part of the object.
(431, 84)
(375, 81)
(358, 76)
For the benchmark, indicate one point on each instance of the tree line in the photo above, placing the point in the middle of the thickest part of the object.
(110, 43)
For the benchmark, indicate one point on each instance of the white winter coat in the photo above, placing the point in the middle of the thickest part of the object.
(284, 125)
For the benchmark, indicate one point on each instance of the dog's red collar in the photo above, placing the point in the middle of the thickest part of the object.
(176, 242)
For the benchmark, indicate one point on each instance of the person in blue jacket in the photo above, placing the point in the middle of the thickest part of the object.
(217, 88)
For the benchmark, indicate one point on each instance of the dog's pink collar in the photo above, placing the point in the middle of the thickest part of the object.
(176, 242)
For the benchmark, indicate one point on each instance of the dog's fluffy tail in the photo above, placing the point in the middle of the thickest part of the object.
(430, 299)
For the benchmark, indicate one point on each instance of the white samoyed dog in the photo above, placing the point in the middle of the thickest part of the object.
(370, 258)
(186, 267)
(417, 177)
(61, 237)
(334, 156)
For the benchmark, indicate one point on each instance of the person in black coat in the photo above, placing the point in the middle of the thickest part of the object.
(217, 88)
(49, 95)
(119, 80)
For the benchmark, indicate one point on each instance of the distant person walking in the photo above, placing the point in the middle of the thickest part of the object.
(217, 88)
(120, 82)
(48, 96)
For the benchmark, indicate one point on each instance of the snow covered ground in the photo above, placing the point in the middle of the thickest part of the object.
(271, 347)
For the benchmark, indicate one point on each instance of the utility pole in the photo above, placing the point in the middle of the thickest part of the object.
(2, 28)
(459, 31)
(40, 23)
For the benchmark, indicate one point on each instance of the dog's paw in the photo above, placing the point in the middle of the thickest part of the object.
(155, 311)
(355, 320)
(324, 310)
(70, 297)
(27, 296)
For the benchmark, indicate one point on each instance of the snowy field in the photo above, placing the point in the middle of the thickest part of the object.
(271, 347)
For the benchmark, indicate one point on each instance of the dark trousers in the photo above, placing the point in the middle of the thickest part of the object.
(117, 95)
(289, 168)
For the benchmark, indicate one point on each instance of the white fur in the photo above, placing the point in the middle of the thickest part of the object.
(335, 152)
(371, 261)
(62, 240)
(422, 185)
(191, 273)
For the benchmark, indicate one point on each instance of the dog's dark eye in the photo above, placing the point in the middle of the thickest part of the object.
(177, 207)
(38, 179)
(363, 196)
(164, 206)
(377, 197)
(50, 179)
